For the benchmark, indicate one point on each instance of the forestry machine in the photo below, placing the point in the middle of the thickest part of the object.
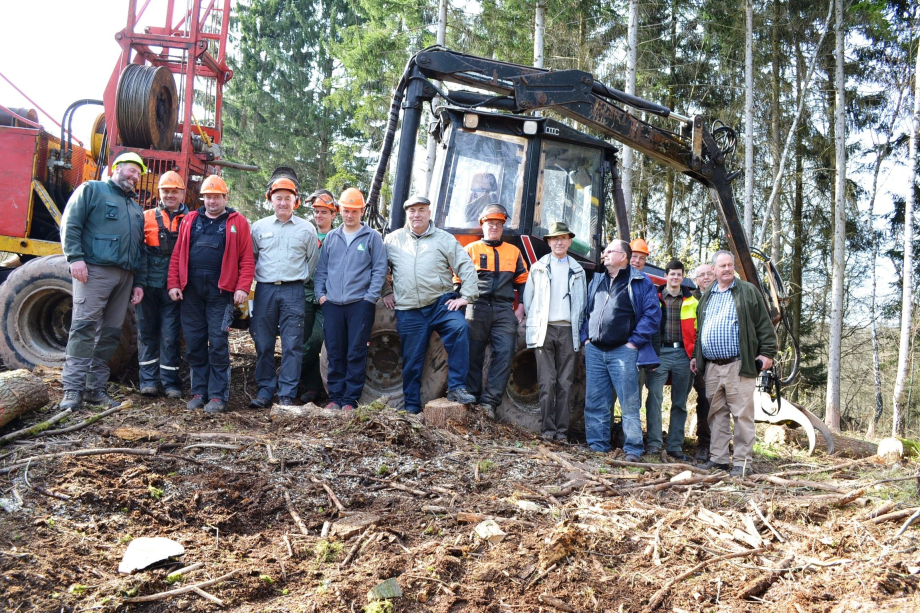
(163, 101)
(541, 170)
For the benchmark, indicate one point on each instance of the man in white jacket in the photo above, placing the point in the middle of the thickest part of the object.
(554, 299)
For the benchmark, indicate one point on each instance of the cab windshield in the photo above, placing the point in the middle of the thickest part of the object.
(569, 191)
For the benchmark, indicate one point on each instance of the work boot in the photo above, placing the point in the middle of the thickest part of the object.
(150, 390)
(216, 405)
(741, 471)
(547, 436)
(461, 396)
(197, 402)
(702, 453)
(72, 400)
(332, 406)
(260, 403)
(348, 407)
(631, 457)
(710, 465)
(488, 410)
(100, 398)
(677, 455)
(173, 394)
(309, 396)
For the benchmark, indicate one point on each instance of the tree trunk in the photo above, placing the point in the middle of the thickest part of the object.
(668, 214)
(899, 409)
(775, 136)
(432, 143)
(749, 122)
(798, 240)
(832, 399)
(631, 57)
(20, 393)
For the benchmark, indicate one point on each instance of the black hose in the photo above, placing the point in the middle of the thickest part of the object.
(67, 144)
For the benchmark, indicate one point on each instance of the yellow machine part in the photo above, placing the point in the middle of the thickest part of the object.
(28, 246)
(96, 140)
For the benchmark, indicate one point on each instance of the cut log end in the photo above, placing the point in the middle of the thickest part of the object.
(20, 392)
(440, 411)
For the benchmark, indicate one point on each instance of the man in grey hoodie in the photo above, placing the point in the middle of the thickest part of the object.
(349, 280)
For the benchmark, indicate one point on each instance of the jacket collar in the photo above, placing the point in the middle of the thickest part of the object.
(115, 185)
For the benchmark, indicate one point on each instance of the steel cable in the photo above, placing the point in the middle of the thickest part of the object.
(146, 108)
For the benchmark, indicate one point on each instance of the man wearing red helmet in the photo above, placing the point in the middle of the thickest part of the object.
(158, 325)
(210, 270)
(502, 274)
(286, 254)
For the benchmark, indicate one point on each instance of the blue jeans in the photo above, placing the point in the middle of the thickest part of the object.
(415, 327)
(674, 362)
(158, 340)
(606, 371)
(347, 329)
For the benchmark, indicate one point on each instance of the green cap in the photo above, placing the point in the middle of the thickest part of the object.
(559, 228)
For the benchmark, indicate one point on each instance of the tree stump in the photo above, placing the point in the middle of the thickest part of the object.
(20, 393)
(441, 410)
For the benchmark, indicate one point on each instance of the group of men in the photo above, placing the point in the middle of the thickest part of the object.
(317, 285)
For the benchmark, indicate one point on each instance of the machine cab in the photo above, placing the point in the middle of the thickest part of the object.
(540, 170)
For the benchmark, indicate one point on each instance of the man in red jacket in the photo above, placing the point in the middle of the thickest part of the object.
(212, 268)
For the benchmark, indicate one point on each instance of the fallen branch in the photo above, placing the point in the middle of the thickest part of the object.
(892, 516)
(832, 469)
(815, 485)
(330, 493)
(77, 453)
(295, 516)
(907, 524)
(182, 590)
(562, 461)
(354, 550)
(207, 596)
(540, 577)
(756, 588)
(775, 532)
(660, 595)
(879, 510)
(87, 422)
(556, 603)
(691, 468)
(35, 430)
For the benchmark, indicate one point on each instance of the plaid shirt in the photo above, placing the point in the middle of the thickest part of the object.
(719, 336)
(671, 315)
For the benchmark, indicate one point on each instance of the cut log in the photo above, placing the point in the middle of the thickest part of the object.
(20, 393)
(441, 410)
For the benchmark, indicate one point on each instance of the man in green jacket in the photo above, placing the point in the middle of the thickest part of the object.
(735, 341)
(102, 235)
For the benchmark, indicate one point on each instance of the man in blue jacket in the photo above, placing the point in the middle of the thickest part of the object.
(621, 315)
(348, 282)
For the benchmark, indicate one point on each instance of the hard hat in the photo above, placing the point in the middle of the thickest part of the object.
(283, 183)
(170, 180)
(493, 211)
(639, 246)
(213, 185)
(130, 157)
(351, 198)
(416, 200)
(323, 199)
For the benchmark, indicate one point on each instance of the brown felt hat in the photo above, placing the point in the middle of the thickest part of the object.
(559, 228)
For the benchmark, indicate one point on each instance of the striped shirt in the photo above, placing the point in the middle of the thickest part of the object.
(719, 336)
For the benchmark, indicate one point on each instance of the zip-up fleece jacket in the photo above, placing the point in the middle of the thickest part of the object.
(646, 314)
(500, 268)
(158, 255)
(349, 273)
(756, 334)
(424, 267)
(103, 225)
(237, 269)
(537, 296)
(687, 318)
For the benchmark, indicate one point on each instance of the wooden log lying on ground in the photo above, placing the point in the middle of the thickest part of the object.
(20, 393)
(441, 410)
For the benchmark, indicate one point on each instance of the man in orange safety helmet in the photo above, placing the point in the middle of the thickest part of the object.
(158, 325)
(286, 253)
(211, 268)
(639, 253)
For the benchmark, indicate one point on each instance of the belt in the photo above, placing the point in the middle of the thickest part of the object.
(725, 361)
(280, 282)
(673, 345)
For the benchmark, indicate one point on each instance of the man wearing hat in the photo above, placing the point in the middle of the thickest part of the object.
(492, 317)
(211, 270)
(286, 254)
(158, 325)
(424, 260)
(325, 209)
(349, 280)
(554, 299)
(102, 233)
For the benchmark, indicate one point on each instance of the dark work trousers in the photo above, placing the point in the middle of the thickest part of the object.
(702, 410)
(497, 324)
(278, 309)
(555, 371)
(312, 346)
(207, 312)
(347, 328)
(415, 327)
(99, 308)
(158, 339)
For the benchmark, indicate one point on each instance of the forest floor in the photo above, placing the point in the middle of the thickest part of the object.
(251, 498)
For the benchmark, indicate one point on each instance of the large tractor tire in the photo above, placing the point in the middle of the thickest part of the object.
(384, 364)
(36, 301)
(521, 402)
